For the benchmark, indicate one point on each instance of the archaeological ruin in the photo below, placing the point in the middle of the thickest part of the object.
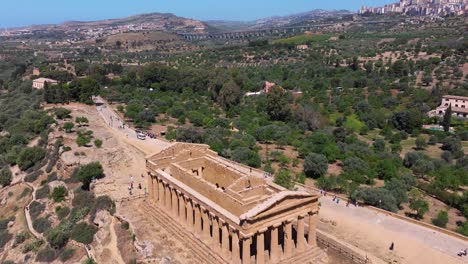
(234, 209)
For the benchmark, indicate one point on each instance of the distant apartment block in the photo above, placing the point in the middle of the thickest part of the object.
(459, 106)
(39, 83)
(421, 8)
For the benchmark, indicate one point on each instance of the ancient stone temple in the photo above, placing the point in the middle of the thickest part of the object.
(236, 210)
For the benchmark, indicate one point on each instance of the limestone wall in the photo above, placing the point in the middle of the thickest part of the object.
(216, 195)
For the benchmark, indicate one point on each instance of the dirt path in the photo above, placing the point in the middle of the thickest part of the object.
(374, 232)
(112, 246)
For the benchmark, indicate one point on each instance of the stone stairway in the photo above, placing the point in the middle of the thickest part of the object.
(313, 256)
(202, 252)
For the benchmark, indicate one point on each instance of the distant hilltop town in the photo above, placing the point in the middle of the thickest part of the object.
(421, 8)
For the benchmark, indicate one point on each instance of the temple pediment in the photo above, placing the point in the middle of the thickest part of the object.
(280, 202)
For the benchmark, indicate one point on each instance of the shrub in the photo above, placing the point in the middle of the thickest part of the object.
(105, 203)
(89, 172)
(62, 212)
(451, 144)
(441, 220)
(26, 192)
(57, 237)
(378, 197)
(284, 178)
(20, 238)
(5, 177)
(463, 229)
(35, 209)
(33, 246)
(42, 192)
(62, 113)
(125, 225)
(66, 254)
(68, 126)
(32, 177)
(447, 156)
(90, 261)
(41, 224)
(4, 238)
(46, 255)
(52, 177)
(83, 233)
(420, 206)
(421, 143)
(82, 140)
(27, 157)
(315, 165)
(59, 193)
(98, 143)
(433, 140)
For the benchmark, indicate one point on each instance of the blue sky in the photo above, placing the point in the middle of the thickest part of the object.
(26, 12)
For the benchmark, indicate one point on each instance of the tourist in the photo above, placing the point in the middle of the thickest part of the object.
(139, 186)
(392, 246)
(463, 252)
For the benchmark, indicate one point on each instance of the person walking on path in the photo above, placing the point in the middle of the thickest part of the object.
(392, 246)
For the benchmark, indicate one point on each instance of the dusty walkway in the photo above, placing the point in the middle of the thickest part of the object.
(374, 232)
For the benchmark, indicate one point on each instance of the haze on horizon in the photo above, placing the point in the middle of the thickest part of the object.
(30, 12)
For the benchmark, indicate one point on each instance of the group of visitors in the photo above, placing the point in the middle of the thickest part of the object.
(337, 199)
(131, 186)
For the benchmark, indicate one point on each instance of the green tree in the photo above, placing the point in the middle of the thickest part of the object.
(68, 126)
(98, 143)
(441, 220)
(59, 193)
(284, 178)
(420, 206)
(5, 177)
(27, 157)
(82, 140)
(81, 121)
(229, 95)
(62, 113)
(421, 143)
(315, 165)
(447, 119)
(87, 173)
(278, 103)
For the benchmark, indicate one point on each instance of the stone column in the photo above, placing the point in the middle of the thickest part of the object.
(288, 241)
(198, 227)
(181, 208)
(215, 233)
(261, 247)
(274, 247)
(206, 223)
(150, 187)
(189, 215)
(312, 239)
(174, 203)
(225, 238)
(300, 234)
(167, 194)
(155, 189)
(235, 247)
(246, 241)
(161, 193)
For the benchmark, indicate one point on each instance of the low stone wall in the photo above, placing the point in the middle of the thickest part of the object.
(349, 251)
(420, 223)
